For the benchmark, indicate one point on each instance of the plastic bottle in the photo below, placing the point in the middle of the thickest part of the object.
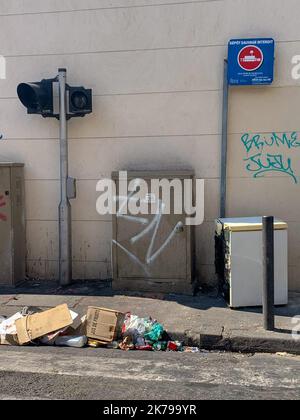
(113, 346)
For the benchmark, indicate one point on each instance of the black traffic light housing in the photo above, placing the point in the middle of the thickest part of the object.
(38, 98)
(80, 101)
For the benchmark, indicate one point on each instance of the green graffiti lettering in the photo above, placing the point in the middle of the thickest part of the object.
(261, 164)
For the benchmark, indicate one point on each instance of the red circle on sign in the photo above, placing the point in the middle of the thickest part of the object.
(250, 58)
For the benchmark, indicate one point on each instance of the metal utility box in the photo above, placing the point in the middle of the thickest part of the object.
(239, 261)
(12, 224)
(153, 253)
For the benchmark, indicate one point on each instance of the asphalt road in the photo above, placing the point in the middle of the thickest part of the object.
(62, 373)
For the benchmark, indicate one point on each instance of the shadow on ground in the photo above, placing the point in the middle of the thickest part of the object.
(203, 300)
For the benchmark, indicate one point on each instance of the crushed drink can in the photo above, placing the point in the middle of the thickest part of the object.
(175, 346)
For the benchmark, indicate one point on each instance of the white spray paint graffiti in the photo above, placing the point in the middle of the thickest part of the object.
(154, 226)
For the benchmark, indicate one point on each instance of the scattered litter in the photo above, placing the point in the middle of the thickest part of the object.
(160, 346)
(114, 345)
(100, 327)
(191, 349)
(282, 354)
(127, 344)
(95, 344)
(147, 347)
(175, 346)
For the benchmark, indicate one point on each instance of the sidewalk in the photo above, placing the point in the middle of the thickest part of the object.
(203, 321)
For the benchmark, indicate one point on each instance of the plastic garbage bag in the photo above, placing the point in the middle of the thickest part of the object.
(135, 328)
(155, 334)
(134, 323)
(49, 339)
(8, 326)
(140, 341)
(69, 341)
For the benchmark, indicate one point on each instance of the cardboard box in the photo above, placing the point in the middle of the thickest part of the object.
(35, 326)
(78, 328)
(104, 325)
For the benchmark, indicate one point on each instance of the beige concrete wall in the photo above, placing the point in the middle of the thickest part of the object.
(156, 70)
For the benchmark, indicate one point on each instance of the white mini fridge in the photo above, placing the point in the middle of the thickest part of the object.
(239, 261)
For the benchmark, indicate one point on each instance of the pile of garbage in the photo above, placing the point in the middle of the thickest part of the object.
(100, 327)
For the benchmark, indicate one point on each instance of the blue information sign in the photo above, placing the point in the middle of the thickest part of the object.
(251, 61)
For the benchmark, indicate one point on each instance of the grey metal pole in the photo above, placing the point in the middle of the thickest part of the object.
(268, 273)
(65, 233)
(224, 141)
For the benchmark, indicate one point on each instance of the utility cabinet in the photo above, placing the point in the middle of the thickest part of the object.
(153, 253)
(12, 224)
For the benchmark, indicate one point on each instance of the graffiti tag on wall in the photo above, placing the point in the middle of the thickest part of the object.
(3, 217)
(149, 227)
(266, 153)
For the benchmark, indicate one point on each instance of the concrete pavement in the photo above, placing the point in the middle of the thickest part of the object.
(203, 320)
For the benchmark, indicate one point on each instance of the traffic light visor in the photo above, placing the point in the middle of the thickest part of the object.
(28, 95)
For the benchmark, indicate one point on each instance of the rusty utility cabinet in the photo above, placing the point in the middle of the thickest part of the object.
(153, 253)
(12, 224)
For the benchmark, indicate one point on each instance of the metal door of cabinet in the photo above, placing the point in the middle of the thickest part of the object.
(5, 227)
(12, 224)
(153, 252)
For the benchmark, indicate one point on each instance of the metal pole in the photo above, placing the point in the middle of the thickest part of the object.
(65, 234)
(268, 273)
(224, 141)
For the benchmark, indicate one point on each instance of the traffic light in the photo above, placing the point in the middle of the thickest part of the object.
(37, 97)
(80, 101)
(54, 98)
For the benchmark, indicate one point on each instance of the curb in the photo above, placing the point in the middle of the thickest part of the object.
(218, 341)
(259, 345)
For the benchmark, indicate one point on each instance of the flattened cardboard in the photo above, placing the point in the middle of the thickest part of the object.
(104, 325)
(35, 326)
